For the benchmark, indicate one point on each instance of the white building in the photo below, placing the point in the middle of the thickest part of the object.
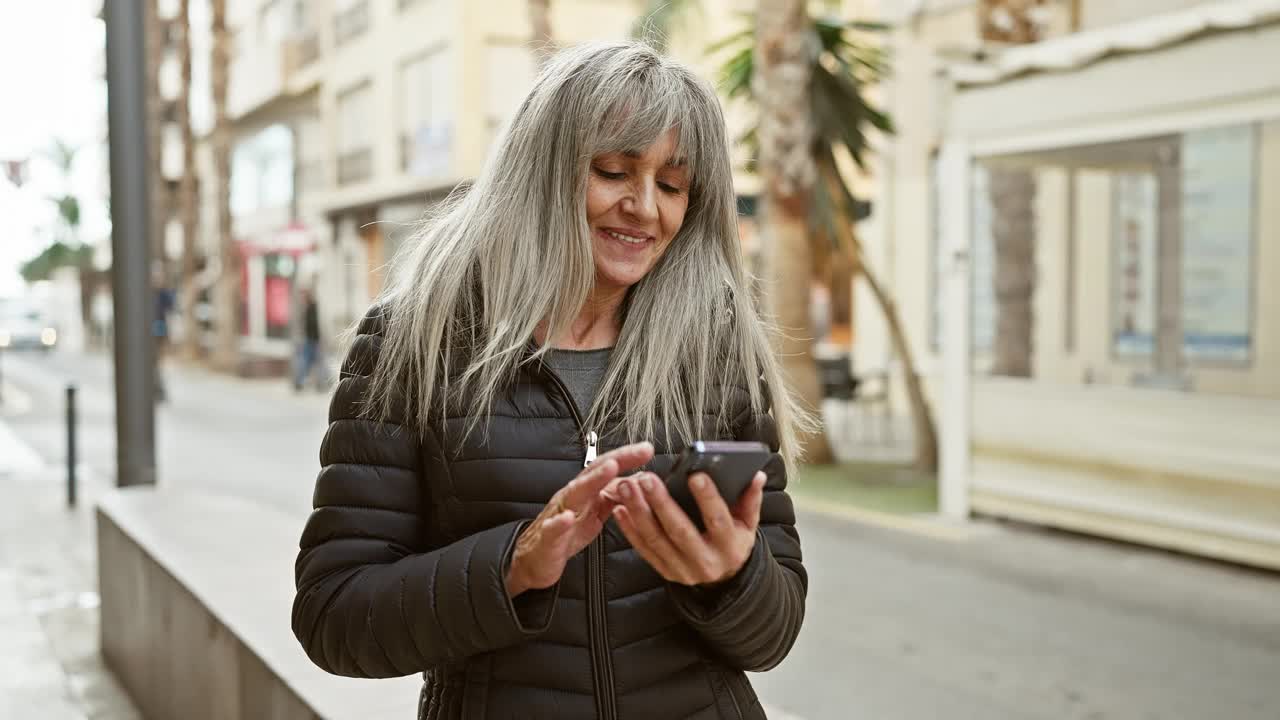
(1153, 406)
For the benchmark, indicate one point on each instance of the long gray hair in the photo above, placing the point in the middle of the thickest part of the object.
(514, 250)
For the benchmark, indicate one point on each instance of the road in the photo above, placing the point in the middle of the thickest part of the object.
(1012, 623)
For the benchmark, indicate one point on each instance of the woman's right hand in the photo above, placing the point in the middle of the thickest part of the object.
(571, 520)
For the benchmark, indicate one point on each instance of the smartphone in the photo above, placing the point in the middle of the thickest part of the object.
(731, 465)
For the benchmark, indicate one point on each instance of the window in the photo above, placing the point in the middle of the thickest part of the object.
(355, 122)
(426, 114)
(262, 171)
(1218, 197)
(1134, 232)
(982, 328)
(350, 19)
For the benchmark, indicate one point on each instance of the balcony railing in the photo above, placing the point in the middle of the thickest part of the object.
(355, 166)
(351, 22)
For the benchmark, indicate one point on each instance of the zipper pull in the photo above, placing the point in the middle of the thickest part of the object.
(592, 438)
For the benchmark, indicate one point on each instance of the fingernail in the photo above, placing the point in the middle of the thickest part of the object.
(647, 482)
(626, 489)
(698, 482)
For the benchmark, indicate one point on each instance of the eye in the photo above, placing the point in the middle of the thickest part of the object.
(609, 175)
(670, 189)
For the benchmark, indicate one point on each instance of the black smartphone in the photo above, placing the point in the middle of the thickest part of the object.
(730, 464)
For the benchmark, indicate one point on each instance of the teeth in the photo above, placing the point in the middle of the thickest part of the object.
(625, 238)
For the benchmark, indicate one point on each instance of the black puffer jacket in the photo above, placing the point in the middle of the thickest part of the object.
(402, 565)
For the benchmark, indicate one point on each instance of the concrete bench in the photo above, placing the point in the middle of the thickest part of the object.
(196, 597)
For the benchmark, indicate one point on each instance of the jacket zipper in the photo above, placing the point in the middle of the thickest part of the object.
(601, 661)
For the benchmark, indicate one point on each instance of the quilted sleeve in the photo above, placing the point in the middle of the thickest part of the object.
(753, 619)
(373, 600)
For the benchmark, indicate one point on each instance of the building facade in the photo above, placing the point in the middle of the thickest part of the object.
(1154, 380)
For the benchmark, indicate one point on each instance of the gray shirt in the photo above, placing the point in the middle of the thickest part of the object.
(582, 372)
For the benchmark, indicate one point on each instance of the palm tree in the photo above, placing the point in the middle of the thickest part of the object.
(783, 52)
(842, 65)
(228, 313)
(188, 202)
(1013, 192)
(540, 23)
(63, 156)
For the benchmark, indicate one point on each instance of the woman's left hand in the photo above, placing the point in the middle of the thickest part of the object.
(668, 540)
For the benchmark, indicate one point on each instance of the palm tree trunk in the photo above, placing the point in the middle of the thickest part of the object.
(544, 44)
(188, 205)
(227, 351)
(783, 60)
(1012, 192)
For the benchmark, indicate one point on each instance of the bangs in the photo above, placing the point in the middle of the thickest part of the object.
(643, 108)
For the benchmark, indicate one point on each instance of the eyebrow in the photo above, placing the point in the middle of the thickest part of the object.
(671, 162)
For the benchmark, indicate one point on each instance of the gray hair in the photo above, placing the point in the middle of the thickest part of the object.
(514, 250)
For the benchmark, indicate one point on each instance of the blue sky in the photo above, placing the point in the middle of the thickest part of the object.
(51, 65)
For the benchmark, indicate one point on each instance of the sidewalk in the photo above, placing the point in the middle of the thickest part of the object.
(50, 667)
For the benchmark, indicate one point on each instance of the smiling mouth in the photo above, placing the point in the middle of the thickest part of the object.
(628, 239)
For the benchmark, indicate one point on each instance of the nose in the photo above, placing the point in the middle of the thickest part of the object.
(642, 201)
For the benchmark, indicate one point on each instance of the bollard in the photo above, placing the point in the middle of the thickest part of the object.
(71, 445)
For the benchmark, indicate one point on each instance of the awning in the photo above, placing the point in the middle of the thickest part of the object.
(1081, 49)
(1210, 65)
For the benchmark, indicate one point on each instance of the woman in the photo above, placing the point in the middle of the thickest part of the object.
(586, 292)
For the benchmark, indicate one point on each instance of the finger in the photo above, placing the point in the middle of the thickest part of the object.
(676, 526)
(629, 457)
(747, 509)
(613, 491)
(633, 536)
(557, 526)
(715, 513)
(653, 535)
(582, 490)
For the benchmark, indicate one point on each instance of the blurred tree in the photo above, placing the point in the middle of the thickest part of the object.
(227, 351)
(1013, 191)
(188, 200)
(56, 255)
(66, 250)
(544, 43)
(781, 84)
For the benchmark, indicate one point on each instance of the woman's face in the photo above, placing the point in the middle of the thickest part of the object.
(635, 206)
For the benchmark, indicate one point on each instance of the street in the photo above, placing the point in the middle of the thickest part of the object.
(1011, 623)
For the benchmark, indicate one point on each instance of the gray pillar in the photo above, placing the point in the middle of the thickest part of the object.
(130, 249)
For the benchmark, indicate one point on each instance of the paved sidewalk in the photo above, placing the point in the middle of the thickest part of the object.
(50, 667)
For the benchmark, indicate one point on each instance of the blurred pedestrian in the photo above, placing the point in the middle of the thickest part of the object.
(309, 358)
(587, 292)
(164, 301)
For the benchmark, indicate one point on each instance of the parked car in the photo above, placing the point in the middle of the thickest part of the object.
(26, 328)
